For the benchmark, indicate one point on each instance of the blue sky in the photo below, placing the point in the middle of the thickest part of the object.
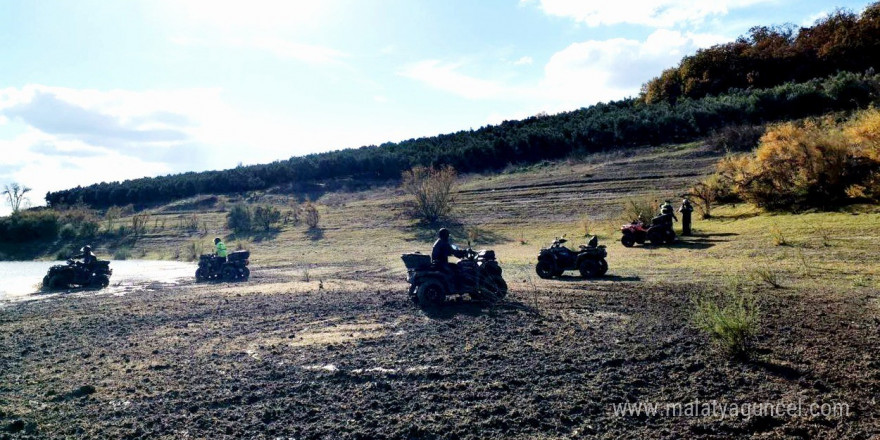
(105, 90)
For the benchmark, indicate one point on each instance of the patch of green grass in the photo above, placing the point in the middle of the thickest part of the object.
(731, 319)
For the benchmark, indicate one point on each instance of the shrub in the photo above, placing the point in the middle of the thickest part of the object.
(88, 229)
(190, 223)
(239, 218)
(193, 250)
(26, 226)
(139, 224)
(432, 190)
(67, 232)
(731, 319)
(122, 253)
(810, 164)
(706, 194)
(767, 276)
(642, 209)
(312, 215)
(266, 217)
(113, 213)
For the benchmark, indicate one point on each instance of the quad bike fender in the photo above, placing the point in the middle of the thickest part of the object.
(492, 268)
(583, 257)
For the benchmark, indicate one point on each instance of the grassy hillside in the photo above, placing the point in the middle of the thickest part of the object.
(522, 209)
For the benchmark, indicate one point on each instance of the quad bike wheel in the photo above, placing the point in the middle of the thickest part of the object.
(57, 282)
(201, 275)
(500, 287)
(627, 240)
(656, 237)
(46, 283)
(545, 269)
(669, 236)
(245, 273)
(229, 273)
(589, 269)
(100, 281)
(431, 293)
(603, 267)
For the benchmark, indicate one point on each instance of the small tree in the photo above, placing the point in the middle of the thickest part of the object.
(706, 193)
(139, 223)
(113, 213)
(15, 196)
(239, 218)
(312, 215)
(432, 190)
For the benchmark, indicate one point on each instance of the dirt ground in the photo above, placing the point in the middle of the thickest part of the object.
(284, 358)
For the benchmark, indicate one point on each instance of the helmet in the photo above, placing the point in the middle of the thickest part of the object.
(87, 248)
(216, 240)
(443, 233)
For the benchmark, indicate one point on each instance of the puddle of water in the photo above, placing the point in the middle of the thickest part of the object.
(328, 367)
(22, 279)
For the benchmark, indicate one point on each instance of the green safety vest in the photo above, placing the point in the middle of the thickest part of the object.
(221, 249)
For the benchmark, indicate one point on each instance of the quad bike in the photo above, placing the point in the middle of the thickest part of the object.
(556, 259)
(477, 274)
(234, 267)
(658, 232)
(77, 274)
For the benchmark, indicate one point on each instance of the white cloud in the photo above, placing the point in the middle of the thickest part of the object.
(811, 20)
(444, 76)
(578, 75)
(655, 13)
(67, 137)
(524, 61)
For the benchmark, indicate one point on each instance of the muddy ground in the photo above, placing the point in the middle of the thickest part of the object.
(281, 358)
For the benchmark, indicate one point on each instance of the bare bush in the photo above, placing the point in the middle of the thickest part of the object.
(113, 213)
(139, 224)
(313, 218)
(767, 276)
(432, 190)
(193, 250)
(639, 209)
(706, 194)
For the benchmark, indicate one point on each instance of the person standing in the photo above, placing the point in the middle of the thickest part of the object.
(686, 209)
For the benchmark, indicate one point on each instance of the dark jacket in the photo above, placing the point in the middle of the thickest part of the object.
(88, 258)
(442, 250)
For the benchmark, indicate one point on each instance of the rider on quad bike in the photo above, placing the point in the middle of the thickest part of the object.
(432, 279)
(443, 249)
(90, 273)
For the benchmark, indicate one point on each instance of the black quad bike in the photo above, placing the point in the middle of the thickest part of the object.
(658, 232)
(77, 274)
(477, 274)
(233, 267)
(556, 259)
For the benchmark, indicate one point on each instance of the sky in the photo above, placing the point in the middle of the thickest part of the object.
(101, 90)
